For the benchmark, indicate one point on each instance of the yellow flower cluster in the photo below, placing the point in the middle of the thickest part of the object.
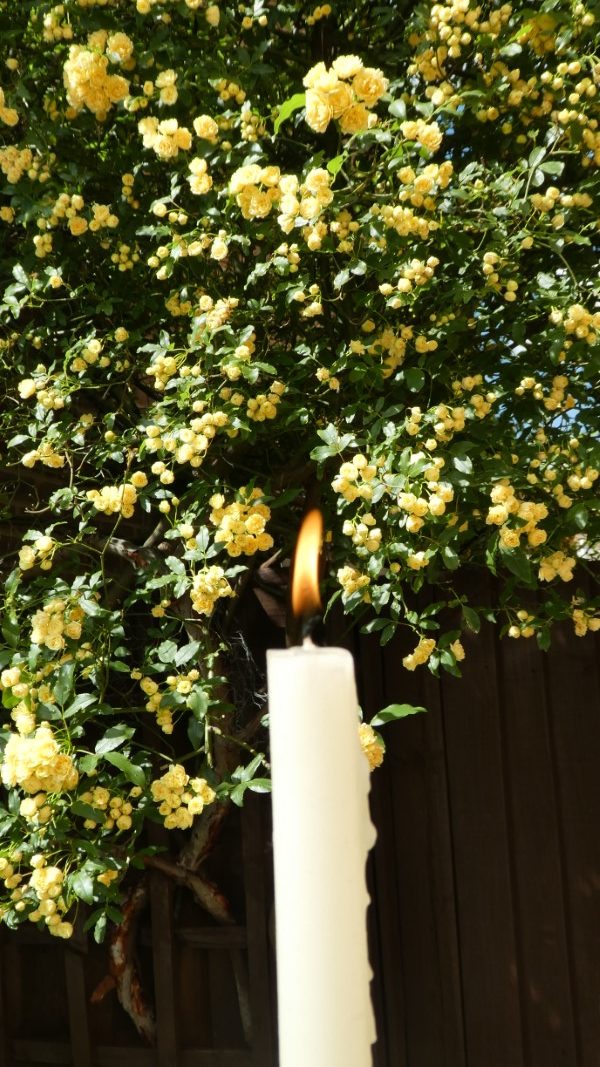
(251, 125)
(403, 220)
(36, 764)
(118, 811)
(8, 115)
(555, 400)
(421, 187)
(264, 405)
(241, 524)
(505, 504)
(41, 389)
(420, 654)
(353, 479)
(164, 137)
(452, 27)
(344, 227)
(352, 581)
(370, 745)
(54, 28)
(208, 586)
(43, 889)
(524, 627)
(113, 499)
(43, 454)
(14, 162)
(322, 11)
(344, 93)
(306, 200)
(199, 180)
(230, 91)
(558, 564)
(584, 324)
(176, 683)
(41, 551)
(180, 797)
(54, 622)
(427, 134)
(43, 245)
(88, 356)
(242, 354)
(256, 189)
(188, 444)
(35, 809)
(364, 533)
(165, 83)
(584, 620)
(88, 83)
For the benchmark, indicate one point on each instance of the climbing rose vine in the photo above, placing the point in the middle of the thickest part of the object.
(256, 256)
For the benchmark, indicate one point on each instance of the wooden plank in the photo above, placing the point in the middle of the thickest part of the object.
(78, 1009)
(4, 1023)
(481, 847)
(546, 993)
(161, 913)
(57, 1053)
(416, 760)
(217, 937)
(384, 922)
(222, 997)
(443, 889)
(573, 691)
(257, 882)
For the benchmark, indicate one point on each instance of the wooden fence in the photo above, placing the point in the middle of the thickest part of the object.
(486, 874)
(485, 926)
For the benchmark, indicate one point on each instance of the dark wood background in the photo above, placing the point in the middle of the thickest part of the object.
(485, 924)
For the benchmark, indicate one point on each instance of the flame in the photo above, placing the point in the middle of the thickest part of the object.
(306, 599)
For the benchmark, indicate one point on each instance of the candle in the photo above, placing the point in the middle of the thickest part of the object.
(322, 833)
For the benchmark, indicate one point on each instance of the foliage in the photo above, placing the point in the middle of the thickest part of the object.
(254, 257)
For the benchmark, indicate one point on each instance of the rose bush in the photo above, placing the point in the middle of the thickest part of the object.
(254, 254)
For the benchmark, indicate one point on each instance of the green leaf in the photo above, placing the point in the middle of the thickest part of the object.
(450, 558)
(341, 278)
(579, 515)
(167, 651)
(536, 156)
(81, 701)
(131, 770)
(395, 711)
(82, 885)
(197, 702)
(397, 108)
(113, 738)
(100, 930)
(294, 103)
(336, 164)
(244, 774)
(472, 619)
(546, 281)
(517, 562)
(414, 378)
(64, 683)
(186, 652)
(462, 464)
(86, 811)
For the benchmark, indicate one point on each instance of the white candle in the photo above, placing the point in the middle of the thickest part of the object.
(322, 833)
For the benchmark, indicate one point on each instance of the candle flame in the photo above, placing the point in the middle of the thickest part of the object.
(306, 599)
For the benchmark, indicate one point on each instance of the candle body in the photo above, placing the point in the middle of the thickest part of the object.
(322, 833)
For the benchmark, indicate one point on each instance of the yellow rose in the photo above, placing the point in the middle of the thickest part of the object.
(369, 84)
(355, 119)
(318, 112)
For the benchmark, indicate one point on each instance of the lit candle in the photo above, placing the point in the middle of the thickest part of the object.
(322, 833)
